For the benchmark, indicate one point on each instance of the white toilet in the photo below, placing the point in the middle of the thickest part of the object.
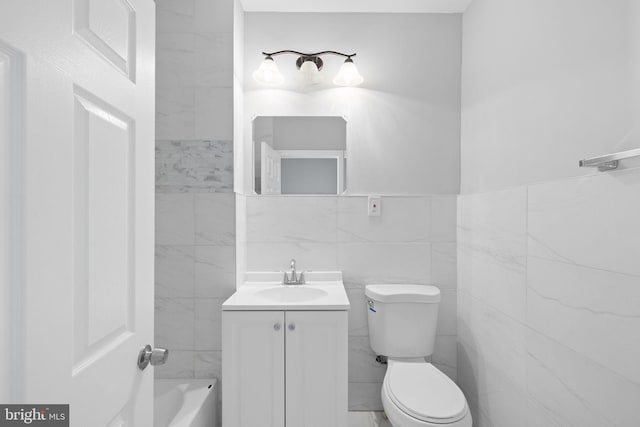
(402, 326)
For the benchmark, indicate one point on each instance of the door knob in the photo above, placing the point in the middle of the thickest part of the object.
(155, 356)
(276, 327)
(292, 326)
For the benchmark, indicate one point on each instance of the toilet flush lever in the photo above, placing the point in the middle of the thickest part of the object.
(155, 356)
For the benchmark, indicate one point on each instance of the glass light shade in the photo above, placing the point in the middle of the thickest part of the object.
(348, 75)
(309, 73)
(268, 73)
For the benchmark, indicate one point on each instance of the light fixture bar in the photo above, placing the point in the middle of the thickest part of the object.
(295, 52)
(309, 65)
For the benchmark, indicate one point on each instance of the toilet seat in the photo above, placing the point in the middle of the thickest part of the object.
(423, 392)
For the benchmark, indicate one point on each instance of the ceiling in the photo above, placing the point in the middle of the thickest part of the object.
(362, 6)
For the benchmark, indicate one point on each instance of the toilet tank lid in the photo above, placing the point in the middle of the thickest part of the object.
(403, 293)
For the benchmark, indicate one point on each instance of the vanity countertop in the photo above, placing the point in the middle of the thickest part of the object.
(323, 290)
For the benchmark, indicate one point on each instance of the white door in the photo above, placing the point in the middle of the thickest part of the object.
(270, 170)
(78, 77)
(316, 371)
(253, 368)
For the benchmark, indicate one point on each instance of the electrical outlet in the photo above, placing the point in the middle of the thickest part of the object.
(374, 205)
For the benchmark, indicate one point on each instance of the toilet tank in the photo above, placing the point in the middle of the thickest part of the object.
(402, 319)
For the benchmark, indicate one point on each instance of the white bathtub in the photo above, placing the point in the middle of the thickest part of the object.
(185, 403)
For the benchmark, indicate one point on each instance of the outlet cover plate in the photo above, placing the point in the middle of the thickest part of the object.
(373, 206)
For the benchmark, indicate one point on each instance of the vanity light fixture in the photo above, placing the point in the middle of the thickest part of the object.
(309, 65)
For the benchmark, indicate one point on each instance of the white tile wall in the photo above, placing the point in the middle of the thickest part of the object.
(194, 156)
(548, 303)
(194, 70)
(208, 364)
(195, 273)
(175, 59)
(214, 271)
(365, 263)
(195, 206)
(213, 62)
(208, 323)
(215, 219)
(364, 396)
(443, 219)
(368, 419)
(354, 226)
(591, 311)
(291, 219)
(444, 267)
(174, 323)
(397, 247)
(576, 390)
(447, 324)
(193, 15)
(492, 245)
(179, 365)
(175, 113)
(362, 364)
(358, 323)
(213, 120)
(174, 219)
(444, 355)
(195, 255)
(309, 256)
(174, 271)
(580, 221)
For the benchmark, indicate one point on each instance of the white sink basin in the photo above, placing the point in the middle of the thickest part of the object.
(264, 290)
(292, 293)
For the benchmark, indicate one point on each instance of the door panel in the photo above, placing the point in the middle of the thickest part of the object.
(253, 368)
(11, 99)
(270, 169)
(104, 199)
(86, 197)
(316, 370)
(109, 27)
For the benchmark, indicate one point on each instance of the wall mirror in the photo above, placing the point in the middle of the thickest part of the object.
(299, 154)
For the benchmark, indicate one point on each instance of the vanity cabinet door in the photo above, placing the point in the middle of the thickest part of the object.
(316, 368)
(253, 344)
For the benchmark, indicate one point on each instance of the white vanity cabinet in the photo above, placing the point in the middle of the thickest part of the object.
(253, 375)
(284, 368)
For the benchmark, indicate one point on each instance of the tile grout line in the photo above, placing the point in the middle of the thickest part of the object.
(193, 284)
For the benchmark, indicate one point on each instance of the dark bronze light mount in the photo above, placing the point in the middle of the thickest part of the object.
(309, 65)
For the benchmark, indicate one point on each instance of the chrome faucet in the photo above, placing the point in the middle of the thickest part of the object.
(293, 278)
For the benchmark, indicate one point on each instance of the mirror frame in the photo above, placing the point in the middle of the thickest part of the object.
(340, 156)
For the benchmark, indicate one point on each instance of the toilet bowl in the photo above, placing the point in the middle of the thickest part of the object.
(402, 326)
(420, 395)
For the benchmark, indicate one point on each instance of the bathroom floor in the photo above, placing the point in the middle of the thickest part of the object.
(368, 419)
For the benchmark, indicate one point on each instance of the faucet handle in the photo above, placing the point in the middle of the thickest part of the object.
(293, 278)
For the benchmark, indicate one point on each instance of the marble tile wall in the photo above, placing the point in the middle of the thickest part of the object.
(195, 203)
(194, 166)
(414, 241)
(549, 302)
(195, 273)
(194, 70)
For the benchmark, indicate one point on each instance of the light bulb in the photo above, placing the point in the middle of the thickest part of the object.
(309, 73)
(348, 75)
(268, 73)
